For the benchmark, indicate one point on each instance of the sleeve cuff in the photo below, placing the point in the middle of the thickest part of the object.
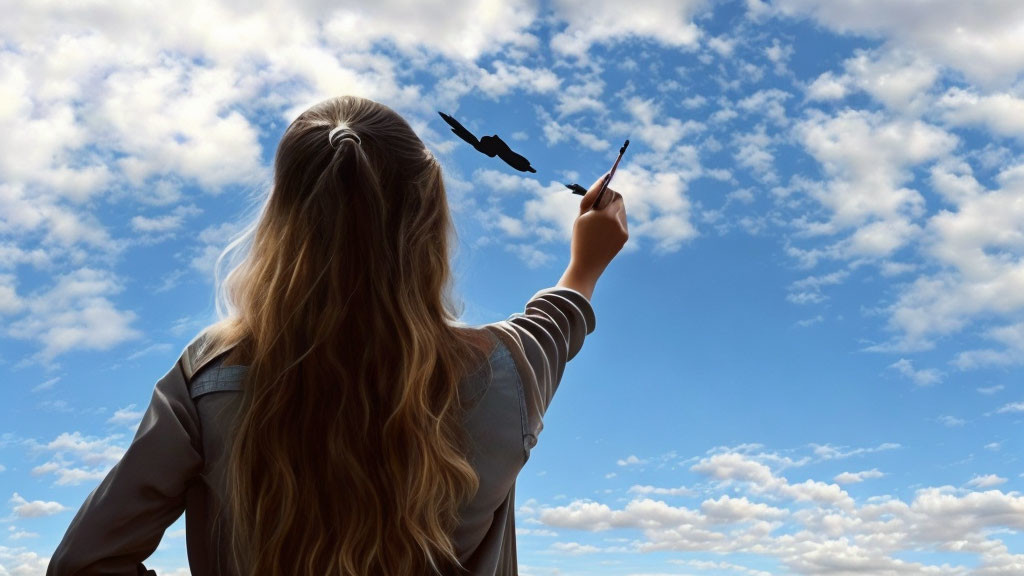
(576, 298)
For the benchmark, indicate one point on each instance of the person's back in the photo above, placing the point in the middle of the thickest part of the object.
(281, 431)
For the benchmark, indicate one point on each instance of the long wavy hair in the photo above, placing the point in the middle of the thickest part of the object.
(348, 454)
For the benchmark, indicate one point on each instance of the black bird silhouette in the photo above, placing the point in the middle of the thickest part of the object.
(489, 145)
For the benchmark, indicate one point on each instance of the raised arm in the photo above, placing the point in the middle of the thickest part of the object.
(543, 339)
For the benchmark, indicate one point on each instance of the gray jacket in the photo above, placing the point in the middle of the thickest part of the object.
(176, 462)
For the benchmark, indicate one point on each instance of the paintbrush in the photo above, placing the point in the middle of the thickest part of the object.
(580, 190)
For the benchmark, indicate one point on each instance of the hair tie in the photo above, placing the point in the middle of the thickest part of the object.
(340, 133)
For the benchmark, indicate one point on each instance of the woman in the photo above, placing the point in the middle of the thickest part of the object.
(338, 420)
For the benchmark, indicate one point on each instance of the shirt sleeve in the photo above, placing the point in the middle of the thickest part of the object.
(543, 339)
(123, 519)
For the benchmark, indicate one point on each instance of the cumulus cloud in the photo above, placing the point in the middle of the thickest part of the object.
(869, 160)
(166, 222)
(555, 132)
(768, 103)
(857, 477)
(951, 421)
(922, 377)
(25, 509)
(653, 127)
(986, 481)
(1000, 113)
(76, 313)
(669, 22)
(126, 416)
(574, 548)
(10, 302)
(978, 39)
(1011, 408)
(975, 245)
(108, 103)
(809, 290)
(755, 151)
(804, 529)
(75, 458)
(638, 489)
(631, 460)
(21, 562)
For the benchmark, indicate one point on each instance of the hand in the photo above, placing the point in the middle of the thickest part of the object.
(598, 233)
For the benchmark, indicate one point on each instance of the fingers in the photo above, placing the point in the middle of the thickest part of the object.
(588, 199)
(610, 196)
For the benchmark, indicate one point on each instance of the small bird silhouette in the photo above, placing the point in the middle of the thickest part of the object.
(489, 145)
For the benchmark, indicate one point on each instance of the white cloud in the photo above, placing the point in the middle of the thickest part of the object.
(805, 530)
(923, 377)
(653, 127)
(755, 151)
(728, 510)
(47, 385)
(979, 39)
(582, 95)
(639, 489)
(531, 256)
(573, 548)
(1012, 352)
(951, 421)
(1001, 113)
(768, 103)
(11, 255)
(669, 22)
(165, 223)
(34, 509)
(979, 274)
(898, 79)
(829, 452)
(158, 347)
(657, 205)
(21, 562)
(733, 467)
(857, 477)
(1011, 408)
(808, 290)
(986, 481)
(10, 302)
(779, 54)
(213, 240)
(76, 458)
(469, 78)
(722, 45)
(127, 415)
(76, 313)
(827, 87)
(868, 160)
(112, 104)
(64, 228)
(14, 536)
(555, 132)
(462, 30)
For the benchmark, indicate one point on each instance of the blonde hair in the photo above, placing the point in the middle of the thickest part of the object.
(348, 455)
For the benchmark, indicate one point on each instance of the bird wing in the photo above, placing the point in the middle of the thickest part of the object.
(514, 160)
(460, 130)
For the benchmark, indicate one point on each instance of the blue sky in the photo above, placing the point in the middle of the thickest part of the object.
(808, 355)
